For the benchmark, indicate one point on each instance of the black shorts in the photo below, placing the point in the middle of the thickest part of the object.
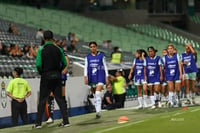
(63, 82)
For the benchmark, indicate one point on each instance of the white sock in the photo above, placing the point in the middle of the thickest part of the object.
(152, 100)
(171, 95)
(140, 101)
(145, 100)
(98, 101)
(155, 96)
(187, 96)
(193, 95)
(159, 96)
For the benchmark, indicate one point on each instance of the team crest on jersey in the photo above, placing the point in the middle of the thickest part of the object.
(94, 70)
(3, 95)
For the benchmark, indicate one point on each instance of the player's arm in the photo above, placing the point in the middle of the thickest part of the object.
(106, 70)
(131, 71)
(193, 51)
(39, 60)
(160, 69)
(113, 78)
(180, 66)
(145, 70)
(28, 89)
(86, 71)
(108, 100)
(9, 90)
(67, 66)
(63, 59)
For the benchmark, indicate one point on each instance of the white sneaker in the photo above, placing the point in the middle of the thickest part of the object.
(159, 105)
(153, 107)
(49, 121)
(98, 115)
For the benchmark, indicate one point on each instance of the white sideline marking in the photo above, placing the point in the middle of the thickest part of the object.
(109, 129)
(195, 110)
(178, 114)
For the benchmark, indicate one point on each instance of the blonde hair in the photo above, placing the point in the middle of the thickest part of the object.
(170, 45)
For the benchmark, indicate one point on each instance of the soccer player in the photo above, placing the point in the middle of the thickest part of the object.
(189, 59)
(163, 82)
(50, 102)
(18, 90)
(96, 74)
(139, 78)
(153, 69)
(173, 73)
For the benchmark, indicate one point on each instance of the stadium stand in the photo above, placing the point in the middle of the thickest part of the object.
(195, 19)
(28, 20)
(163, 34)
(62, 22)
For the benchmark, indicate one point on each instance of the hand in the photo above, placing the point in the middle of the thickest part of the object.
(184, 76)
(107, 80)
(181, 76)
(185, 62)
(145, 78)
(20, 100)
(129, 76)
(86, 80)
(64, 71)
(161, 78)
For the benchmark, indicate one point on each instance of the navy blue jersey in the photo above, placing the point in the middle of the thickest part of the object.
(190, 67)
(153, 69)
(138, 69)
(95, 68)
(171, 67)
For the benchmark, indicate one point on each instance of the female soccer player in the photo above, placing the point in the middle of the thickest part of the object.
(189, 59)
(163, 83)
(173, 72)
(139, 79)
(95, 73)
(153, 69)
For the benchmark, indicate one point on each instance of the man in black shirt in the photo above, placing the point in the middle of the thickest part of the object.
(50, 62)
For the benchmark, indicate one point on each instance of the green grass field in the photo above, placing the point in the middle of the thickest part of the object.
(165, 120)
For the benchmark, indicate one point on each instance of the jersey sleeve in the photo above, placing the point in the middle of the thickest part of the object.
(134, 61)
(178, 57)
(163, 60)
(85, 67)
(10, 87)
(145, 62)
(39, 59)
(105, 66)
(160, 61)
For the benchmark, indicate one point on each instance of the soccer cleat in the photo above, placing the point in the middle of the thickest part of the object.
(179, 104)
(63, 125)
(159, 105)
(153, 107)
(140, 108)
(168, 104)
(193, 101)
(49, 121)
(98, 115)
(188, 102)
(36, 126)
(145, 105)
